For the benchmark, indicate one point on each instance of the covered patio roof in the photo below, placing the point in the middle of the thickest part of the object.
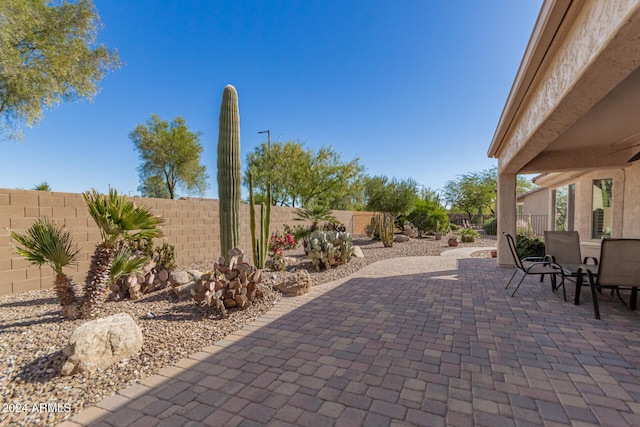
(574, 102)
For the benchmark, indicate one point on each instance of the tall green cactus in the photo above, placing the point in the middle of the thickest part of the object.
(229, 178)
(260, 244)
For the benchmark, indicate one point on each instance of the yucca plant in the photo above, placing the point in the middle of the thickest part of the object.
(46, 242)
(118, 218)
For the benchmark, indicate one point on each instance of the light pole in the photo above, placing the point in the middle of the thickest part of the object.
(268, 132)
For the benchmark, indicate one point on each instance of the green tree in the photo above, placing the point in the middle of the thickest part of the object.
(47, 55)
(43, 186)
(396, 197)
(154, 186)
(169, 153)
(472, 193)
(299, 177)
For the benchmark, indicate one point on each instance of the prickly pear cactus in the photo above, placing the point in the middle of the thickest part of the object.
(329, 248)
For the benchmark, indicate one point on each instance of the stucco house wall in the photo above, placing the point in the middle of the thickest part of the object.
(625, 210)
(536, 202)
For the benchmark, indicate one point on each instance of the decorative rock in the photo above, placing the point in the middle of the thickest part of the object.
(296, 284)
(179, 278)
(101, 343)
(401, 238)
(183, 291)
(357, 252)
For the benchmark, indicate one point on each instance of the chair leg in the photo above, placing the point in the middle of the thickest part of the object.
(564, 291)
(519, 283)
(512, 276)
(594, 296)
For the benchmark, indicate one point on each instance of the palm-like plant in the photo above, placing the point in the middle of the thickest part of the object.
(46, 242)
(124, 263)
(118, 218)
(315, 214)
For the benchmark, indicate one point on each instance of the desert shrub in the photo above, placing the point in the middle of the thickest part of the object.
(429, 216)
(279, 243)
(334, 226)
(164, 255)
(468, 235)
(529, 246)
(299, 232)
(491, 227)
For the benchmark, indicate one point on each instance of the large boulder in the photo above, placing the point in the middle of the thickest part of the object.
(294, 284)
(101, 343)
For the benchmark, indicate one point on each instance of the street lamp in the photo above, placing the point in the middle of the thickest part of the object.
(268, 132)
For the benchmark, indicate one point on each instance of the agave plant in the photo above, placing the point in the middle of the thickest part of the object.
(118, 218)
(48, 243)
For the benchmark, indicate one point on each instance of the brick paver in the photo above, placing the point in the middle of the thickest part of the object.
(410, 341)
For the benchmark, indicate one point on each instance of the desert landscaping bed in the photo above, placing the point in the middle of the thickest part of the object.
(33, 333)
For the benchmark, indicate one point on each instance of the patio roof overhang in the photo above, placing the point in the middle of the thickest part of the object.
(575, 101)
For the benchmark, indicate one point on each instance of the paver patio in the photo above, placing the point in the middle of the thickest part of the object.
(427, 341)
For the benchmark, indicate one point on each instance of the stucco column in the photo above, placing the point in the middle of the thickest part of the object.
(506, 216)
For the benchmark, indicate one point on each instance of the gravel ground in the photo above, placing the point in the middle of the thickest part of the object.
(33, 334)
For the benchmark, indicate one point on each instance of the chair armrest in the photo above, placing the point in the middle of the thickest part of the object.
(587, 258)
(547, 264)
(534, 258)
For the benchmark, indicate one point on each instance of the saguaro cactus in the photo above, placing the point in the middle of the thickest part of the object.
(229, 177)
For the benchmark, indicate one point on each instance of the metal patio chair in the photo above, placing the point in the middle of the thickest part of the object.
(563, 248)
(619, 268)
(534, 266)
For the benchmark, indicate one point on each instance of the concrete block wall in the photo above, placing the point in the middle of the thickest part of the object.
(192, 226)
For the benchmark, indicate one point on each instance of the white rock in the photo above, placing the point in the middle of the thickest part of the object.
(179, 278)
(100, 343)
(357, 252)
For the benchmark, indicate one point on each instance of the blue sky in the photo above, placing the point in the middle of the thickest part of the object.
(414, 88)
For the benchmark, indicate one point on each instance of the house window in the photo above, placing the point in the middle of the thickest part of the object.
(602, 206)
(520, 207)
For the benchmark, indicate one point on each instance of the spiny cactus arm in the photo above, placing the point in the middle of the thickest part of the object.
(252, 214)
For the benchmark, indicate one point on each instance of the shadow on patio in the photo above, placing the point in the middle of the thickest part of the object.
(444, 346)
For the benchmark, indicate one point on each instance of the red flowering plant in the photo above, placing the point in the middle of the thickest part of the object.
(277, 245)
